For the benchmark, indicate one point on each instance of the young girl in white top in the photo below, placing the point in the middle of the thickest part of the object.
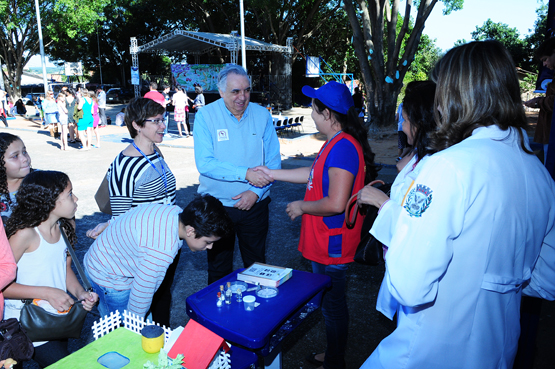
(45, 205)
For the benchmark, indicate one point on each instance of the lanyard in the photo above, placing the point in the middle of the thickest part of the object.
(163, 174)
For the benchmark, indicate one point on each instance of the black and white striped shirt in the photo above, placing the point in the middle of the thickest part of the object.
(133, 182)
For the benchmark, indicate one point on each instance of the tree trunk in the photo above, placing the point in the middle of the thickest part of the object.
(383, 74)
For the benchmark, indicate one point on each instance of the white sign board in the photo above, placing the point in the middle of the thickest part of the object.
(73, 69)
(312, 66)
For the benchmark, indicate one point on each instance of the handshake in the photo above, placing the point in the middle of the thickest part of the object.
(259, 176)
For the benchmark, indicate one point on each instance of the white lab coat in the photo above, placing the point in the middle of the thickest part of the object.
(465, 244)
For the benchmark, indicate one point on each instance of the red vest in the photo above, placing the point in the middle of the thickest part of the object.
(314, 241)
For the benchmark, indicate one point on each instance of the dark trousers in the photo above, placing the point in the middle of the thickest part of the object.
(102, 116)
(187, 122)
(336, 314)
(162, 299)
(251, 228)
(51, 352)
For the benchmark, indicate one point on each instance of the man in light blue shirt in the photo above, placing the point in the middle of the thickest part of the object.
(231, 137)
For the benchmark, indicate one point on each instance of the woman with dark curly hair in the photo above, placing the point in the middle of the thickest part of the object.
(45, 205)
(15, 164)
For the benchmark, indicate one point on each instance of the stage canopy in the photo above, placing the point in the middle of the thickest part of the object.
(200, 43)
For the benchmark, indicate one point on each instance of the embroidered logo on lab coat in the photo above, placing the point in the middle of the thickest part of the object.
(222, 135)
(418, 200)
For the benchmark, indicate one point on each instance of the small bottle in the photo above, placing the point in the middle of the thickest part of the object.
(219, 302)
(228, 294)
(222, 293)
(239, 295)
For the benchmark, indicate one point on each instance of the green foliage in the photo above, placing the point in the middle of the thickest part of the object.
(528, 83)
(164, 362)
(535, 39)
(508, 36)
(19, 31)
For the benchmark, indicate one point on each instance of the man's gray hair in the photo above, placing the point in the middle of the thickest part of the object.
(233, 69)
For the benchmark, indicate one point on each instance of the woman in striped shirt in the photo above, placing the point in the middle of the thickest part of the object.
(139, 175)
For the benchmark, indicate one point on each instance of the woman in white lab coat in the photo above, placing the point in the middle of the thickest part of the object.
(477, 225)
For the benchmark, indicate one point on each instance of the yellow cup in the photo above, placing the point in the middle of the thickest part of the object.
(153, 338)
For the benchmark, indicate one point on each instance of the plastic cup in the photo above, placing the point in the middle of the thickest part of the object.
(153, 338)
(248, 302)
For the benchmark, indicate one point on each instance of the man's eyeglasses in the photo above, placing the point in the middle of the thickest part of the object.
(156, 121)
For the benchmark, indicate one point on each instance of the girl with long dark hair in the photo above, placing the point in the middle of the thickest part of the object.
(45, 205)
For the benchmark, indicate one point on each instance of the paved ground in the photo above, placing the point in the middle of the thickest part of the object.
(367, 327)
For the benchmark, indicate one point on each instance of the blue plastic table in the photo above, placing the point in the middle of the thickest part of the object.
(264, 328)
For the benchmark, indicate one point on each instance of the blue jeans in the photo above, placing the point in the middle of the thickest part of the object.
(336, 314)
(109, 299)
(166, 122)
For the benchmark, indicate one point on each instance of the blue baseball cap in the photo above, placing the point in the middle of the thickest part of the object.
(334, 95)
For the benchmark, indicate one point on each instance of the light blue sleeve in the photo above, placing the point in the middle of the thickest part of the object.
(207, 164)
(542, 282)
(272, 156)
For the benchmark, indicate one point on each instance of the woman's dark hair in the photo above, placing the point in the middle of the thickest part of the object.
(477, 87)
(6, 140)
(138, 110)
(70, 91)
(418, 106)
(36, 198)
(350, 124)
(207, 216)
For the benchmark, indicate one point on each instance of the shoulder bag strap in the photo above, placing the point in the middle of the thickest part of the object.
(78, 266)
(350, 219)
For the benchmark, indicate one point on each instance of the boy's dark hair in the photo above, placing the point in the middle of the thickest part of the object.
(138, 110)
(207, 216)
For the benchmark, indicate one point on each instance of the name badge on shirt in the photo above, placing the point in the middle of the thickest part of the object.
(222, 135)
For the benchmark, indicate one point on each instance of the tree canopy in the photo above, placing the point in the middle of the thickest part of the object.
(19, 39)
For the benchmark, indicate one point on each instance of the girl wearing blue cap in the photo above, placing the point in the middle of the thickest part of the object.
(343, 166)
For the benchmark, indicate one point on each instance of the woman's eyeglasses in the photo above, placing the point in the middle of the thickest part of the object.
(156, 121)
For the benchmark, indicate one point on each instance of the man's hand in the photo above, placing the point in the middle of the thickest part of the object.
(258, 178)
(246, 199)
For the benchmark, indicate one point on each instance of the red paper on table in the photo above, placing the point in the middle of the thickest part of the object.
(198, 345)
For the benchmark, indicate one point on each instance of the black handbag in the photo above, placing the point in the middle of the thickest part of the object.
(42, 325)
(13, 341)
(369, 250)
